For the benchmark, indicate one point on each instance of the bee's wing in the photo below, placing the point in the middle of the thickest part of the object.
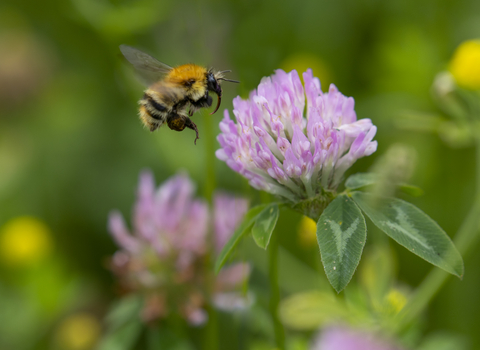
(150, 69)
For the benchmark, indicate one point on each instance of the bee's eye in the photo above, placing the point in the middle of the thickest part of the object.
(189, 82)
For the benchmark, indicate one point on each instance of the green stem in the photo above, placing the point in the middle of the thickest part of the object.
(275, 292)
(211, 330)
(466, 238)
(210, 156)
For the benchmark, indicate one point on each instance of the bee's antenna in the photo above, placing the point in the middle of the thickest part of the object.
(221, 73)
(232, 81)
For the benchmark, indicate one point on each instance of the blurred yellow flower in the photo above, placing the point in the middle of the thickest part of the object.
(307, 232)
(25, 240)
(465, 64)
(302, 61)
(79, 331)
(396, 300)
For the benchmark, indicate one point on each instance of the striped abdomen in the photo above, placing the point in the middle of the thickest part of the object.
(158, 102)
(152, 113)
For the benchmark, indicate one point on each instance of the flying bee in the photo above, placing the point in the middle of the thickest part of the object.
(174, 93)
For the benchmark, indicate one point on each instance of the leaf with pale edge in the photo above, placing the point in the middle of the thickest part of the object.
(413, 229)
(264, 225)
(341, 235)
(360, 180)
(227, 249)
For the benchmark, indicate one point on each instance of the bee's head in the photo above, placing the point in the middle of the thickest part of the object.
(213, 84)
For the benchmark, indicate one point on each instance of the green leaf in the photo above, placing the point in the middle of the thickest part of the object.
(248, 221)
(341, 235)
(264, 225)
(312, 310)
(123, 324)
(360, 180)
(123, 338)
(413, 229)
(411, 190)
(444, 341)
(123, 311)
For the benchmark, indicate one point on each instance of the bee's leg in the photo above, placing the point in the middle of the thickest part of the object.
(179, 122)
(191, 125)
(176, 122)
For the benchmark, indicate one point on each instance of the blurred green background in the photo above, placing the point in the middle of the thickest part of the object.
(71, 145)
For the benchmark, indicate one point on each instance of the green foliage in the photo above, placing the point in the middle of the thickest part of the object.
(443, 341)
(123, 311)
(123, 338)
(311, 310)
(124, 325)
(164, 338)
(413, 229)
(411, 190)
(360, 180)
(341, 234)
(265, 224)
(248, 221)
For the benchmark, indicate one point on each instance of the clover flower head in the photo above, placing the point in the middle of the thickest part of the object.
(165, 255)
(294, 140)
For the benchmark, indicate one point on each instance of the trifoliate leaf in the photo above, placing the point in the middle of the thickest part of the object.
(413, 229)
(341, 235)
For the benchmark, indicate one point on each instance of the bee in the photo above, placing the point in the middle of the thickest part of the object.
(174, 93)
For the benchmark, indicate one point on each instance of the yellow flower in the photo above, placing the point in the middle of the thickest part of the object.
(307, 232)
(465, 65)
(396, 300)
(25, 240)
(78, 332)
